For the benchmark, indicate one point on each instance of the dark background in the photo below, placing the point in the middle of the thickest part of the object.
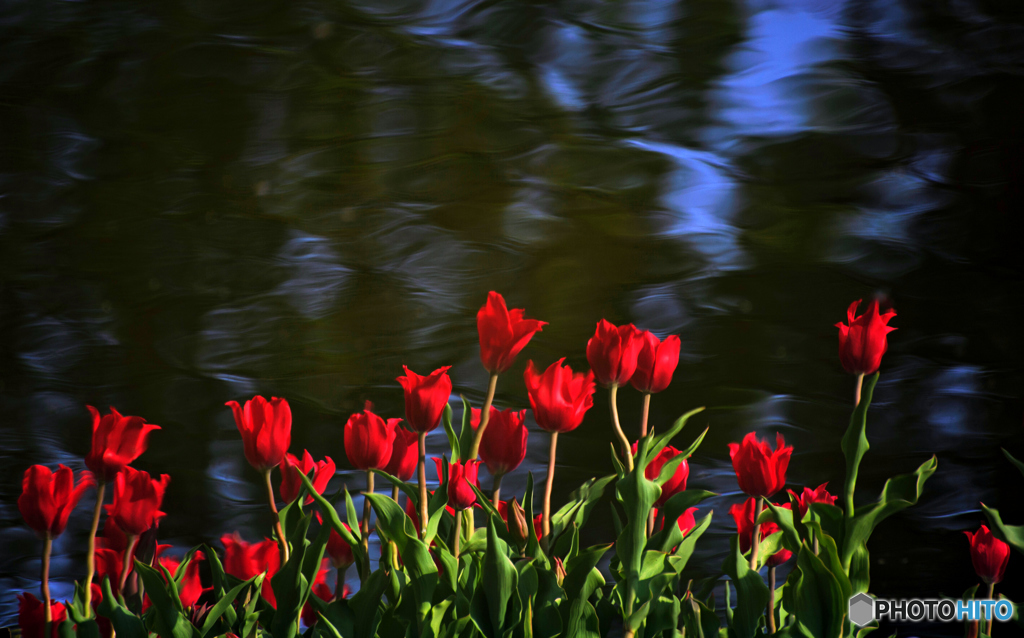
(200, 201)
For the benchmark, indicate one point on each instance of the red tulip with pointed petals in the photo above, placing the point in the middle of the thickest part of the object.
(405, 454)
(369, 439)
(558, 397)
(425, 397)
(612, 353)
(137, 500)
(461, 475)
(291, 484)
(245, 560)
(47, 498)
(32, 616)
(808, 496)
(655, 363)
(116, 441)
(503, 446)
(760, 470)
(989, 555)
(266, 429)
(503, 333)
(862, 340)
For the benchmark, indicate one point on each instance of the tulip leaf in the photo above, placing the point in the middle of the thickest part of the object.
(1013, 535)
(362, 610)
(412, 491)
(620, 469)
(335, 522)
(394, 525)
(453, 439)
(222, 606)
(682, 553)
(784, 519)
(169, 621)
(899, 493)
(466, 433)
(855, 442)
(820, 606)
(1018, 464)
(290, 586)
(670, 535)
(498, 589)
(532, 542)
(582, 502)
(637, 495)
(751, 593)
(699, 620)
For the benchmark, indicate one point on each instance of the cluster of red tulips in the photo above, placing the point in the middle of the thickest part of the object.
(395, 447)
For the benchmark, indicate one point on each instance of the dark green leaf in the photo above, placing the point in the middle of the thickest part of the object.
(855, 442)
(751, 593)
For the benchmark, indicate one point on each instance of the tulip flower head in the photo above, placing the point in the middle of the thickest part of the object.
(675, 484)
(808, 496)
(245, 560)
(612, 353)
(266, 429)
(190, 588)
(405, 454)
(655, 363)
(743, 515)
(760, 470)
(989, 555)
(291, 484)
(369, 439)
(425, 397)
(503, 333)
(339, 551)
(32, 616)
(116, 441)
(558, 397)
(137, 500)
(461, 476)
(47, 498)
(686, 521)
(503, 446)
(863, 341)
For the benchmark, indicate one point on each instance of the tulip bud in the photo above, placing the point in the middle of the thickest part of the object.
(655, 363)
(559, 571)
(989, 555)
(517, 523)
(612, 353)
(863, 342)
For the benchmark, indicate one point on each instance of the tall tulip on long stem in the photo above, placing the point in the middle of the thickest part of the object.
(612, 353)
(425, 398)
(369, 441)
(862, 342)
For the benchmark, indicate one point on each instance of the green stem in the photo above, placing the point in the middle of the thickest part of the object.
(857, 389)
(644, 414)
(366, 509)
(458, 540)
(852, 480)
(771, 601)
(485, 417)
(282, 541)
(394, 493)
(612, 397)
(496, 497)
(47, 612)
(129, 551)
(547, 491)
(90, 552)
(755, 544)
(991, 596)
(423, 484)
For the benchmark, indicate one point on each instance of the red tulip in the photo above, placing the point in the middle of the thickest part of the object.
(559, 398)
(245, 560)
(137, 500)
(108, 563)
(425, 397)
(369, 439)
(191, 587)
(675, 484)
(503, 333)
(266, 429)
(655, 363)
(405, 454)
(32, 616)
(743, 515)
(989, 555)
(612, 353)
(113, 537)
(47, 498)
(321, 590)
(503, 446)
(461, 475)
(863, 342)
(759, 470)
(808, 496)
(291, 484)
(116, 441)
(686, 521)
(339, 551)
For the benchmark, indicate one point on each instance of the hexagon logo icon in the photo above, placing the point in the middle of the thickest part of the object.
(862, 609)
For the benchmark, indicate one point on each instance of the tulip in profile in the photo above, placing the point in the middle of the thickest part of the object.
(808, 496)
(291, 484)
(989, 555)
(612, 353)
(116, 441)
(503, 333)
(137, 500)
(559, 398)
(245, 560)
(760, 470)
(503, 446)
(425, 397)
(266, 429)
(461, 476)
(47, 498)
(369, 439)
(655, 363)
(862, 340)
(404, 454)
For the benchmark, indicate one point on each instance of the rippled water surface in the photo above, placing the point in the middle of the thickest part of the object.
(200, 201)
